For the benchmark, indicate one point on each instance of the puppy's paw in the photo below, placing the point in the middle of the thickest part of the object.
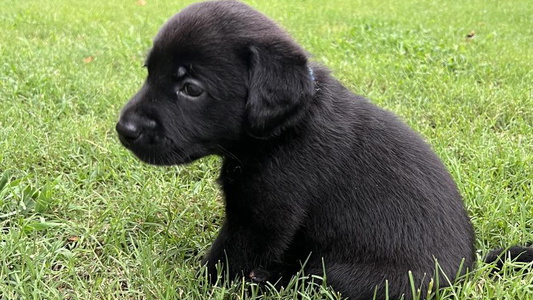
(259, 275)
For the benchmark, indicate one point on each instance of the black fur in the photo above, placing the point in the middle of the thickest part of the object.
(497, 257)
(310, 170)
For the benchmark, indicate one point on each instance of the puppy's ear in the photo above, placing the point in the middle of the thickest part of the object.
(281, 87)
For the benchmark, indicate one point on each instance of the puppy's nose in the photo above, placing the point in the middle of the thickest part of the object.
(127, 130)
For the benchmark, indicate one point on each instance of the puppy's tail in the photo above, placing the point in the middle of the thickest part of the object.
(515, 253)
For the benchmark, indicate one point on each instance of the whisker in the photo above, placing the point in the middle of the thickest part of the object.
(228, 153)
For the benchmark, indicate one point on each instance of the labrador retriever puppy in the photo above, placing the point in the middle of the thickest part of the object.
(311, 172)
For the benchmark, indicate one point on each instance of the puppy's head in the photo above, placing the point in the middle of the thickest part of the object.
(218, 72)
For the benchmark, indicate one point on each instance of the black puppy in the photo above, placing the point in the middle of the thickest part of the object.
(311, 171)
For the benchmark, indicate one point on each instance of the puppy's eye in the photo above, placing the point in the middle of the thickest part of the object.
(192, 90)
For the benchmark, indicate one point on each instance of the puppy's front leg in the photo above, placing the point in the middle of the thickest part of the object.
(243, 249)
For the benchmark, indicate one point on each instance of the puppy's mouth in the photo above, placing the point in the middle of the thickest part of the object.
(160, 150)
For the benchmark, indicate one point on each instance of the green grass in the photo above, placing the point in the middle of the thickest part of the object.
(81, 218)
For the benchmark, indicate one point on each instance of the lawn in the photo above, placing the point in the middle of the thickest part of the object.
(81, 218)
